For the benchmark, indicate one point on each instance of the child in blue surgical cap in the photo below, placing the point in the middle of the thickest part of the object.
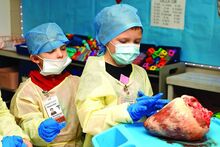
(112, 90)
(49, 88)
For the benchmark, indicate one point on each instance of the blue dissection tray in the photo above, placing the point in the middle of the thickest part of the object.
(135, 135)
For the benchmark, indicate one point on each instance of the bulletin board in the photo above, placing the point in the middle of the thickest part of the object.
(199, 39)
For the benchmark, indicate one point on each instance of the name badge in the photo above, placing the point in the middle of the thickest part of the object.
(53, 109)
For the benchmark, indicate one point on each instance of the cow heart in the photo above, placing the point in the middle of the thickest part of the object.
(184, 118)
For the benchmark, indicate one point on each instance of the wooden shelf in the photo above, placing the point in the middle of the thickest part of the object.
(13, 54)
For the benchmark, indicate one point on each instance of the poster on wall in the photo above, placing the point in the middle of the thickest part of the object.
(168, 13)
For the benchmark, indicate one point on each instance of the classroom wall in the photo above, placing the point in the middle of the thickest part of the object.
(200, 39)
(15, 17)
(10, 18)
(5, 25)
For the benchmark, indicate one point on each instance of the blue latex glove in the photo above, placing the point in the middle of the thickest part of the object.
(143, 106)
(49, 129)
(13, 141)
(154, 107)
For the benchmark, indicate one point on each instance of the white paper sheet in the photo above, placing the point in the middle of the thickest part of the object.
(168, 13)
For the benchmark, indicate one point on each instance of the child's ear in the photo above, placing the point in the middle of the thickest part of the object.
(35, 59)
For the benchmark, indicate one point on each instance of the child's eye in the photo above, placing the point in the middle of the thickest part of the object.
(63, 48)
(137, 41)
(123, 41)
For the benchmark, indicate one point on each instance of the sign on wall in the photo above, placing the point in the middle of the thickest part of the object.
(168, 13)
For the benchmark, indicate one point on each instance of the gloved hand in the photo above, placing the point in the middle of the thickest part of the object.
(49, 129)
(13, 141)
(145, 106)
(154, 107)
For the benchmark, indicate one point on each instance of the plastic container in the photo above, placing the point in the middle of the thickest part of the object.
(22, 49)
(135, 135)
(9, 42)
(157, 57)
(8, 78)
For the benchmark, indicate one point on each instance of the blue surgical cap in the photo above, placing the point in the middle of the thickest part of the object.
(45, 38)
(112, 21)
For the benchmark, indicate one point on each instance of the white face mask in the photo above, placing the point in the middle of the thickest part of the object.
(125, 53)
(54, 66)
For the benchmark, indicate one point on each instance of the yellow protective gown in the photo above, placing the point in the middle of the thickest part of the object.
(102, 100)
(8, 126)
(28, 109)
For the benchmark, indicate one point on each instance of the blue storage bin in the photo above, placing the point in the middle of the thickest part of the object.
(135, 135)
(22, 49)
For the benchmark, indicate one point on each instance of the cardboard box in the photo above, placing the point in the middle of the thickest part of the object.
(8, 78)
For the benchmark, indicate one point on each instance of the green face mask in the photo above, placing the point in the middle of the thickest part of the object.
(125, 53)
